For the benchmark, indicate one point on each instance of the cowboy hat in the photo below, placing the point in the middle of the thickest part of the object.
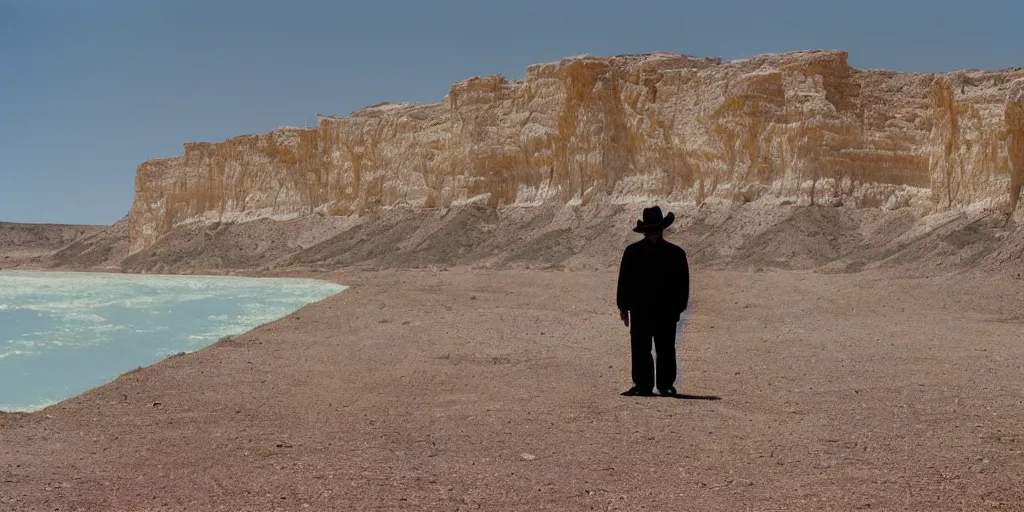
(653, 220)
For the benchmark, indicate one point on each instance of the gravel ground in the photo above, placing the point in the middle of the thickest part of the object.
(499, 390)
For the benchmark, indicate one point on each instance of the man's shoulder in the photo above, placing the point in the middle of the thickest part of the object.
(675, 248)
(634, 246)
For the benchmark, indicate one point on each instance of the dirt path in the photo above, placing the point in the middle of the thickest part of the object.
(419, 390)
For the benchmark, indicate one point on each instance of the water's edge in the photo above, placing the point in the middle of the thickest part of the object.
(85, 299)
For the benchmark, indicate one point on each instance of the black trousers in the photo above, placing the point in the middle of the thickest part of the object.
(663, 332)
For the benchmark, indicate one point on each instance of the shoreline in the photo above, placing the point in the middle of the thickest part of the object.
(255, 274)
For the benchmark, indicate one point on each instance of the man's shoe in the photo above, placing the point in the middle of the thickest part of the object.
(635, 391)
(668, 392)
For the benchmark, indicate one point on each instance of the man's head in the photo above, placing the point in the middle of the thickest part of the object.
(654, 223)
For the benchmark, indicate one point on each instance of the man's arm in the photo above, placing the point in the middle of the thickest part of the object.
(623, 292)
(683, 285)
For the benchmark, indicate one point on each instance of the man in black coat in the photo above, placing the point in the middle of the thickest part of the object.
(653, 290)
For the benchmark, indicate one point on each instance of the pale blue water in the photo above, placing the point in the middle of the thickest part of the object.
(62, 333)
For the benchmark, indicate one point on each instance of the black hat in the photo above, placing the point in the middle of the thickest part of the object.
(653, 220)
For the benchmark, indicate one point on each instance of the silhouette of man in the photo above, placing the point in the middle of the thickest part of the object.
(653, 290)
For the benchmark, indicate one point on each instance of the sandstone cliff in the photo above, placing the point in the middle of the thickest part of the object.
(802, 127)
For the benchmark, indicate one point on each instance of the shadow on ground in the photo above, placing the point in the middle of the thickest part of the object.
(677, 396)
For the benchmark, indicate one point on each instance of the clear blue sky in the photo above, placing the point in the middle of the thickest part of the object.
(91, 88)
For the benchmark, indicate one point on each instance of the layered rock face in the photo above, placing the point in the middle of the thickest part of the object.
(802, 127)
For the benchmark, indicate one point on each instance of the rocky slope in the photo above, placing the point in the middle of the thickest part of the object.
(718, 234)
(30, 244)
(802, 127)
(102, 250)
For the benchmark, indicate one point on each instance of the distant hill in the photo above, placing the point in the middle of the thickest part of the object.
(22, 244)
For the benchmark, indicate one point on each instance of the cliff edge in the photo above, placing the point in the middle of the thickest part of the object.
(801, 127)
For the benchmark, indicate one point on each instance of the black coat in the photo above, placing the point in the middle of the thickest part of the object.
(654, 280)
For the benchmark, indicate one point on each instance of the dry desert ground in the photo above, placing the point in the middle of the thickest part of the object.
(499, 390)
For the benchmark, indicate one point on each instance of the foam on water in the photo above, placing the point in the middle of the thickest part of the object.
(62, 333)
